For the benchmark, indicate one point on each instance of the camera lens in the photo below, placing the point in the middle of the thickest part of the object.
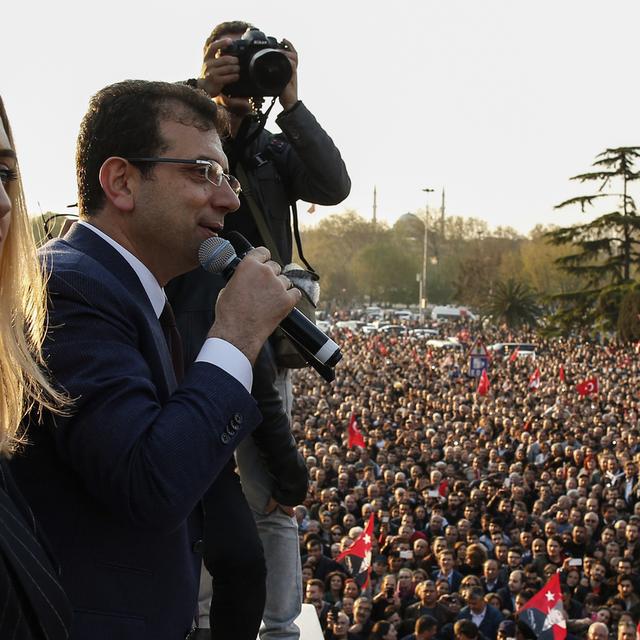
(270, 71)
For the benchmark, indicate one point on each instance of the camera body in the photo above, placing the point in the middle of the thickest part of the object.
(264, 69)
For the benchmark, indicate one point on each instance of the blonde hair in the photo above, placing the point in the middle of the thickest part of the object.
(23, 384)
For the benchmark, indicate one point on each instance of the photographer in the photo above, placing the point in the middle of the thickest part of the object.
(275, 171)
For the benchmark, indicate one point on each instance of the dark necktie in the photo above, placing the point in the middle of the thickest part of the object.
(171, 335)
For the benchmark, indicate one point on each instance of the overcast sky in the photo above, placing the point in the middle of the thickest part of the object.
(497, 101)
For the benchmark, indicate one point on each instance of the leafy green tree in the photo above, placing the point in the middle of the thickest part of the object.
(331, 247)
(629, 315)
(606, 250)
(479, 268)
(514, 304)
(385, 269)
(539, 266)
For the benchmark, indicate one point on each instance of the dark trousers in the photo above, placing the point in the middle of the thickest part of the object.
(234, 557)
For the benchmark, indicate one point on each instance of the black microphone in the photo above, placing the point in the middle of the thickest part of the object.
(217, 255)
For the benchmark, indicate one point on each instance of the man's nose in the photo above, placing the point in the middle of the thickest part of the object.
(223, 197)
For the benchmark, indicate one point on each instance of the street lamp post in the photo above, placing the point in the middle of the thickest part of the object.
(423, 280)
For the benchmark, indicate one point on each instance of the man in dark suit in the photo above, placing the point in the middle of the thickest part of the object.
(514, 587)
(483, 615)
(446, 570)
(116, 482)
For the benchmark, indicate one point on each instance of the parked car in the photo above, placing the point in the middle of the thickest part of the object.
(422, 332)
(505, 349)
(442, 313)
(352, 325)
(445, 344)
(393, 329)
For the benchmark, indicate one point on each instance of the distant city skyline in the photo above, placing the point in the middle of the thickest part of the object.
(498, 102)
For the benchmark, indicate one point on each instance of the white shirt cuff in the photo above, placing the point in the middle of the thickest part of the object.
(224, 355)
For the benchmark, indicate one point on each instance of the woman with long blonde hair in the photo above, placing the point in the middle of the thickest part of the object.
(31, 598)
(22, 308)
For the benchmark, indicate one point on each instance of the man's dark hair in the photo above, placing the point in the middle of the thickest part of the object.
(123, 120)
(475, 592)
(424, 623)
(316, 582)
(232, 27)
(466, 628)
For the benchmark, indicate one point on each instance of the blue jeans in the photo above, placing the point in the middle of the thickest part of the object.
(279, 536)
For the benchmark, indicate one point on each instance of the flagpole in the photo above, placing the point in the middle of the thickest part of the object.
(423, 298)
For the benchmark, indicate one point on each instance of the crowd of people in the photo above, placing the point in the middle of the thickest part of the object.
(478, 499)
(119, 424)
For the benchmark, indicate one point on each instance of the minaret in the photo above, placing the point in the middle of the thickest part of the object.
(375, 205)
(442, 216)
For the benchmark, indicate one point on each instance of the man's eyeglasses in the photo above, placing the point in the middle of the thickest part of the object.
(211, 171)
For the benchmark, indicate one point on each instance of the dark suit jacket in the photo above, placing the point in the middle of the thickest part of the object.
(506, 597)
(490, 623)
(116, 483)
(454, 582)
(32, 601)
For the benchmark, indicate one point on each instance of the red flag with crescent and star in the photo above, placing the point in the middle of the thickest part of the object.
(587, 387)
(544, 613)
(356, 439)
(357, 558)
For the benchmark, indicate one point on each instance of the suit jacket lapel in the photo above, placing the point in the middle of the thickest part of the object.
(90, 243)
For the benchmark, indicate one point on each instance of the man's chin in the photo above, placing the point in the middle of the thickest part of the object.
(239, 107)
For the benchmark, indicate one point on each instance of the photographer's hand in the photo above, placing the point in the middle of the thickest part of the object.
(217, 70)
(289, 95)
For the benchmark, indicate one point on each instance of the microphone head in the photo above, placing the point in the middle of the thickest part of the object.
(216, 254)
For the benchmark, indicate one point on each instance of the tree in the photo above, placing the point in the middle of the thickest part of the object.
(330, 248)
(386, 271)
(629, 316)
(514, 304)
(606, 248)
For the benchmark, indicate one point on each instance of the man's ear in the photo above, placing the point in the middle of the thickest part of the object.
(119, 181)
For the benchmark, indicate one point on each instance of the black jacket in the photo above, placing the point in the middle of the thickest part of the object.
(302, 163)
(32, 601)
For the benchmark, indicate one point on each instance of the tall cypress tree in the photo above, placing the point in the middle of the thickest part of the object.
(607, 249)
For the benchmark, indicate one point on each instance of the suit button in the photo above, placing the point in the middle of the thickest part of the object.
(236, 420)
(198, 546)
(225, 439)
(231, 430)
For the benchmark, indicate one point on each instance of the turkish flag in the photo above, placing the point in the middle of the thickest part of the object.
(587, 387)
(534, 380)
(514, 354)
(483, 385)
(561, 373)
(544, 613)
(356, 439)
(357, 558)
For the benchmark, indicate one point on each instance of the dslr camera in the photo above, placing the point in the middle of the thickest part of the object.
(264, 69)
